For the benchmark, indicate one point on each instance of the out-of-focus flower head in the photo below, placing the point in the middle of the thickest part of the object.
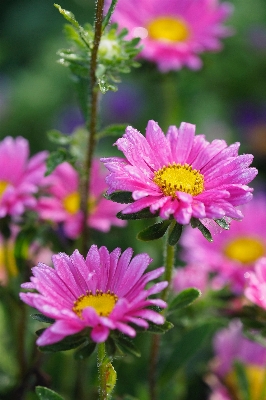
(8, 267)
(180, 174)
(174, 32)
(190, 276)
(20, 177)
(231, 347)
(62, 205)
(256, 288)
(233, 253)
(105, 291)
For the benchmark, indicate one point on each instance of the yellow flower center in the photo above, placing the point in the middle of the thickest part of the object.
(3, 186)
(177, 177)
(168, 29)
(245, 249)
(7, 259)
(256, 377)
(103, 303)
(71, 203)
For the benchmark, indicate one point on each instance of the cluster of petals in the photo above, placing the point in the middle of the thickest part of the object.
(190, 276)
(256, 287)
(72, 277)
(200, 21)
(20, 176)
(214, 256)
(63, 183)
(231, 346)
(225, 173)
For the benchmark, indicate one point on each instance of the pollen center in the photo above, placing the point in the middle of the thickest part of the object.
(3, 186)
(103, 303)
(71, 203)
(245, 249)
(168, 29)
(256, 380)
(177, 177)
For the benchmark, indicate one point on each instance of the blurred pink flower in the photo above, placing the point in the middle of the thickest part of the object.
(233, 253)
(256, 288)
(174, 32)
(190, 276)
(20, 177)
(180, 174)
(8, 266)
(104, 292)
(63, 204)
(231, 346)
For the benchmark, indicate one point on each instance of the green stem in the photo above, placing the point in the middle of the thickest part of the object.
(169, 257)
(91, 123)
(101, 370)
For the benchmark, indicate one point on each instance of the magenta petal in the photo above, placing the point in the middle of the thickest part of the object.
(49, 337)
(99, 333)
(90, 316)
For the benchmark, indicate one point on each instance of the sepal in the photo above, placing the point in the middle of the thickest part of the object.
(196, 223)
(154, 232)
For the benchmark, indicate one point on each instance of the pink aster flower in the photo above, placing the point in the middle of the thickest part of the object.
(256, 288)
(231, 346)
(180, 174)
(104, 292)
(63, 203)
(20, 177)
(190, 276)
(174, 32)
(233, 253)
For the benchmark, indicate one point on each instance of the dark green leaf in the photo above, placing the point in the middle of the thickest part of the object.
(110, 347)
(175, 234)
(142, 214)
(125, 344)
(120, 197)
(58, 137)
(184, 299)
(154, 232)
(85, 351)
(22, 243)
(68, 343)
(112, 130)
(67, 15)
(159, 329)
(196, 223)
(242, 381)
(42, 318)
(222, 223)
(47, 394)
(56, 158)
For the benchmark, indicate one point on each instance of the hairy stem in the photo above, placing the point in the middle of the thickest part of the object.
(91, 123)
(101, 370)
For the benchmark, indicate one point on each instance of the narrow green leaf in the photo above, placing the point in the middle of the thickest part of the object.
(68, 15)
(47, 394)
(42, 318)
(196, 223)
(143, 214)
(184, 299)
(112, 130)
(175, 234)
(109, 14)
(120, 197)
(222, 223)
(159, 329)
(154, 232)
(242, 381)
(58, 137)
(85, 351)
(126, 345)
(56, 158)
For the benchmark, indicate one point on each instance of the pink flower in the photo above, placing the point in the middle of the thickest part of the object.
(233, 253)
(231, 346)
(180, 174)
(63, 205)
(20, 177)
(190, 276)
(256, 289)
(174, 32)
(104, 292)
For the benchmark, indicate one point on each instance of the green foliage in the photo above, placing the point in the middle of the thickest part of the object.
(56, 158)
(184, 299)
(154, 232)
(42, 318)
(85, 351)
(116, 130)
(125, 344)
(120, 197)
(44, 393)
(175, 234)
(196, 223)
(142, 214)
(242, 381)
(222, 223)
(68, 343)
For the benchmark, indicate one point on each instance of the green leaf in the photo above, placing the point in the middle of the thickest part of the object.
(56, 158)
(85, 351)
(111, 376)
(47, 394)
(159, 329)
(142, 214)
(120, 197)
(175, 234)
(22, 243)
(125, 344)
(222, 223)
(68, 343)
(196, 223)
(242, 381)
(109, 14)
(67, 15)
(184, 299)
(154, 232)
(58, 137)
(42, 318)
(112, 130)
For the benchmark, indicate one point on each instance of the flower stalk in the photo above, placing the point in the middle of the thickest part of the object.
(102, 389)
